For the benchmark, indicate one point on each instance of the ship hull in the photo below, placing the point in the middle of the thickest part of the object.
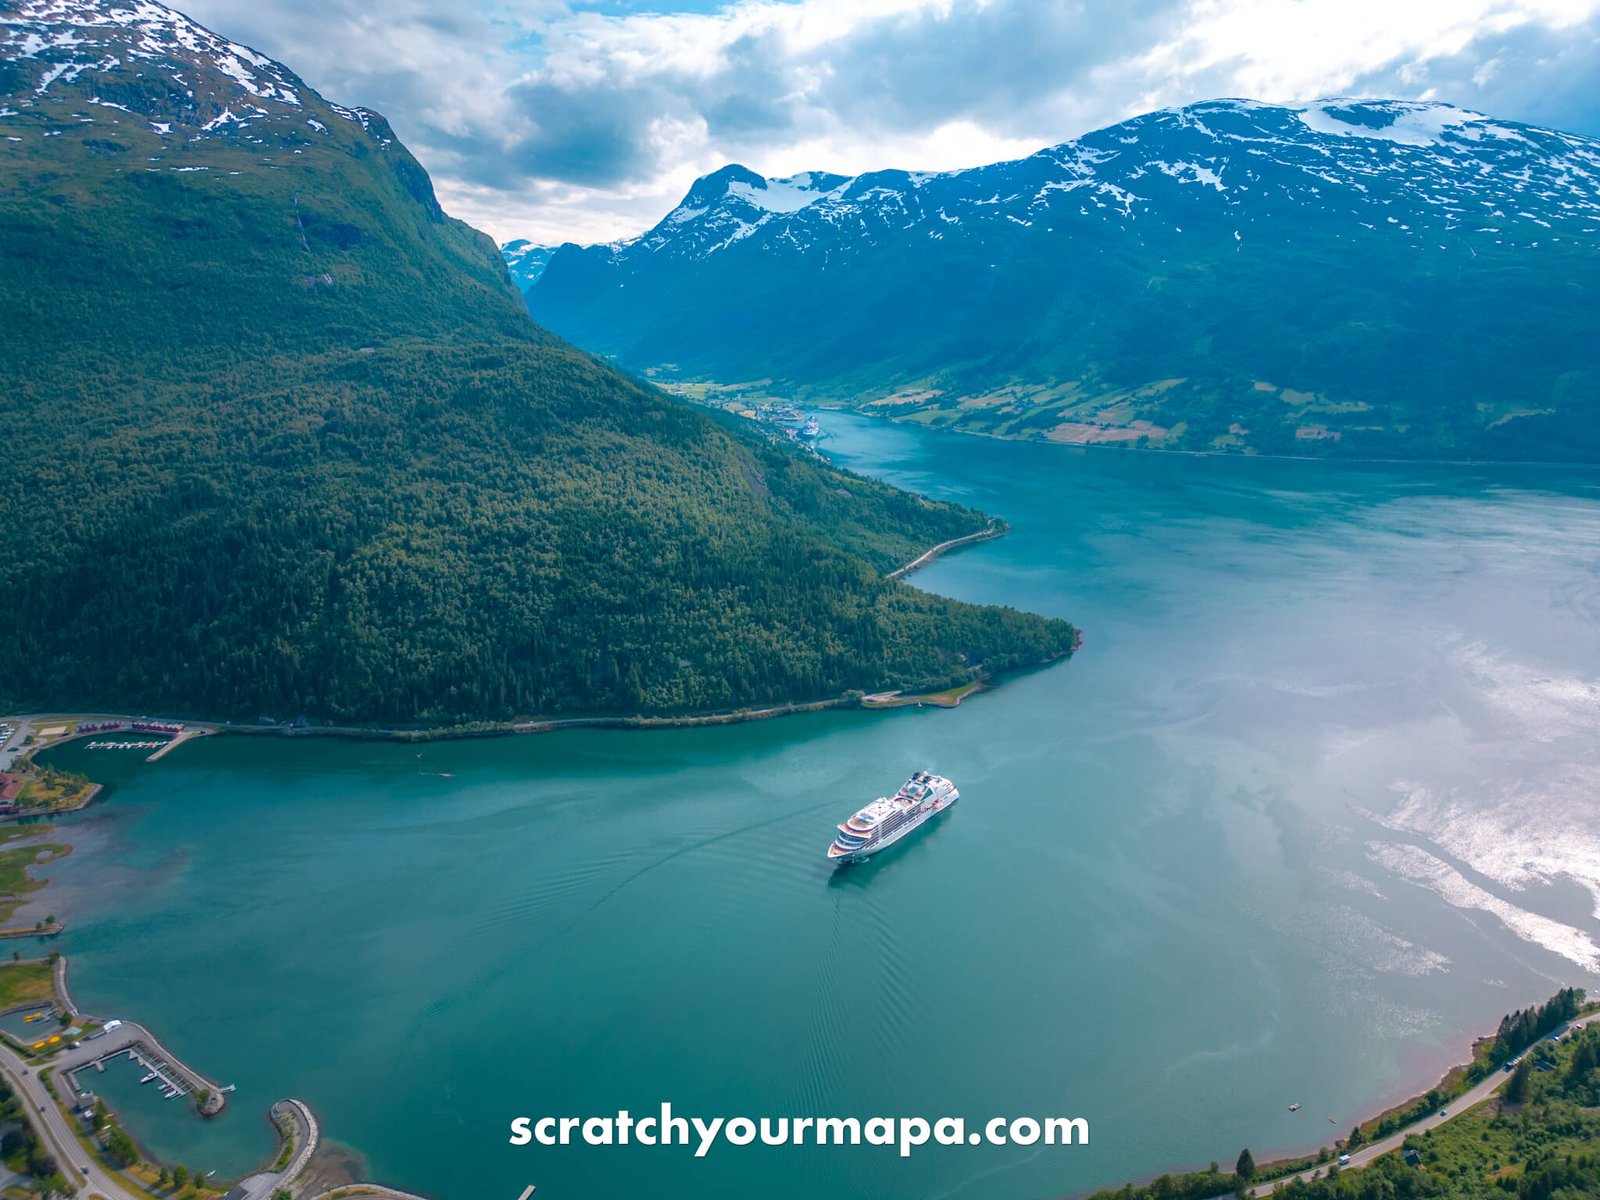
(910, 827)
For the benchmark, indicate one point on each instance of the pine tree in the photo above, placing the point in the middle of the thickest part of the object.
(1245, 1168)
(1517, 1089)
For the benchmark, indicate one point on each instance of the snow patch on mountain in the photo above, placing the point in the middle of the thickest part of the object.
(1393, 121)
(1406, 169)
(779, 195)
(139, 50)
(526, 261)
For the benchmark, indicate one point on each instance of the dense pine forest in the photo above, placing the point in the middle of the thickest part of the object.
(281, 440)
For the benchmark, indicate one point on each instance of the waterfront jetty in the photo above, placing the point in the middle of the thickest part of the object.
(178, 739)
(118, 1038)
(298, 1138)
(993, 530)
(46, 930)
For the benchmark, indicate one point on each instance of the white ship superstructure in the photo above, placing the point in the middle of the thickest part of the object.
(889, 818)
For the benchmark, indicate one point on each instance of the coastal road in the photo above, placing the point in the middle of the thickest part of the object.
(56, 1132)
(1455, 1108)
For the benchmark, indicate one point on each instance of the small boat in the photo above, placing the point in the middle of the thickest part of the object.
(148, 1077)
(1294, 1108)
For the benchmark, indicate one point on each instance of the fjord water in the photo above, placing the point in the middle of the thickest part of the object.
(1317, 799)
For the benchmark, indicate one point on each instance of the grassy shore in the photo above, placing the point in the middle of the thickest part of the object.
(16, 884)
(28, 982)
(948, 698)
(55, 791)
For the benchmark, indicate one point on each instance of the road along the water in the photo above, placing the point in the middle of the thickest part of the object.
(1461, 1104)
(48, 1119)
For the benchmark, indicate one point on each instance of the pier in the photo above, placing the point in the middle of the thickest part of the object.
(177, 741)
(140, 1045)
(994, 529)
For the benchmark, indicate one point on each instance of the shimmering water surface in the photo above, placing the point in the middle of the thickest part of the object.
(1318, 797)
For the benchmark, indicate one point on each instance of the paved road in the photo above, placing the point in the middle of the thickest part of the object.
(57, 1133)
(1394, 1141)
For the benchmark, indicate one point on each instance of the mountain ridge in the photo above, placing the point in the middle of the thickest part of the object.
(1271, 239)
(285, 441)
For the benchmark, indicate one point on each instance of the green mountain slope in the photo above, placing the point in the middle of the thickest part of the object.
(280, 439)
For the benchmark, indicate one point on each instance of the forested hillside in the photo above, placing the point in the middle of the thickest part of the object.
(280, 439)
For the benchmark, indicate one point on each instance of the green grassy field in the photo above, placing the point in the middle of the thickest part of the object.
(27, 982)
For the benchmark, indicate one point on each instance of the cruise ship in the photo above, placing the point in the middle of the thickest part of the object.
(889, 818)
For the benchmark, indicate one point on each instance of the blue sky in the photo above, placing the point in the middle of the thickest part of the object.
(587, 120)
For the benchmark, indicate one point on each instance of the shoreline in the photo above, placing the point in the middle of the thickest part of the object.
(1281, 1166)
(196, 727)
(1124, 446)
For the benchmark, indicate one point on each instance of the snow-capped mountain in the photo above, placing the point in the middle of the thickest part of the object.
(132, 103)
(526, 261)
(1069, 273)
(148, 60)
(1436, 166)
(730, 205)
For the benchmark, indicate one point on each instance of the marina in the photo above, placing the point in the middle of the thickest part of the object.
(173, 1079)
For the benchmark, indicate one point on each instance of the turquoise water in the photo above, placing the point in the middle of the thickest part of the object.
(1317, 798)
